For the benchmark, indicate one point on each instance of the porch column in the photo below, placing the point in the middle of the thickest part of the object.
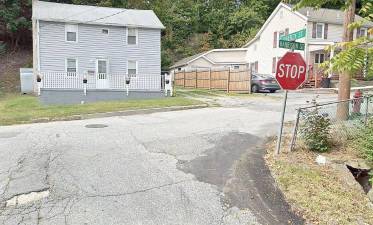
(331, 65)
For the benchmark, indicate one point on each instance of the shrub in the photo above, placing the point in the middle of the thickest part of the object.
(315, 131)
(364, 140)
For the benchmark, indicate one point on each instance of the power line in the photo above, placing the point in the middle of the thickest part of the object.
(106, 16)
(89, 21)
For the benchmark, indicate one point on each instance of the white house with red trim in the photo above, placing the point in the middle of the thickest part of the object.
(324, 27)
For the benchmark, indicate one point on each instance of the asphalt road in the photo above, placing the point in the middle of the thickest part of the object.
(201, 166)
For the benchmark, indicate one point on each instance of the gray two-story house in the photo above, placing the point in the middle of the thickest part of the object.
(94, 48)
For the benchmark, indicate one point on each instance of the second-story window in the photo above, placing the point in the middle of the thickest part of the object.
(105, 31)
(71, 32)
(280, 34)
(132, 36)
(320, 30)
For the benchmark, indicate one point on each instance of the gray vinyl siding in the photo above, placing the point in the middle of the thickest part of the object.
(93, 44)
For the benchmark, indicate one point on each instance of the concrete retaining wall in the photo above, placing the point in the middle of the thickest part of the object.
(52, 96)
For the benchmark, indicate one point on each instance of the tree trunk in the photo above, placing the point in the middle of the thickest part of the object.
(345, 77)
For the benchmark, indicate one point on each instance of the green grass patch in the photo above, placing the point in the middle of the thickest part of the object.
(318, 192)
(15, 109)
(199, 92)
(220, 93)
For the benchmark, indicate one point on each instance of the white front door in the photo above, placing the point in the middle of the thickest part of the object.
(102, 81)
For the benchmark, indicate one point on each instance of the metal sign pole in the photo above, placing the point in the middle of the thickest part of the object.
(279, 138)
(282, 123)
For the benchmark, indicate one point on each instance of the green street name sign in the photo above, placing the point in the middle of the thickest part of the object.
(294, 36)
(291, 45)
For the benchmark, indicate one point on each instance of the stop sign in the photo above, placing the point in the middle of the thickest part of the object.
(291, 71)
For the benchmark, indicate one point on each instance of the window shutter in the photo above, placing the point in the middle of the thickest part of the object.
(358, 32)
(275, 39)
(326, 31)
(314, 30)
(273, 64)
(286, 31)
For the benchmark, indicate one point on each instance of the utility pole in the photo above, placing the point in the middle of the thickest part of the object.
(345, 77)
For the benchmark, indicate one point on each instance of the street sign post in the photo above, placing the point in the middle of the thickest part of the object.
(291, 45)
(290, 75)
(294, 36)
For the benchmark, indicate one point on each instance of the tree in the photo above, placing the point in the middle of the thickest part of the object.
(15, 22)
(354, 54)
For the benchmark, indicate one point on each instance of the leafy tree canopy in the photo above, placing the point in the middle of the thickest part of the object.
(192, 26)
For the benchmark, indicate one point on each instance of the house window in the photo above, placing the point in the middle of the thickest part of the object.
(235, 67)
(132, 68)
(102, 66)
(132, 36)
(320, 30)
(363, 32)
(280, 34)
(71, 31)
(319, 58)
(105, 31)
(71, 65)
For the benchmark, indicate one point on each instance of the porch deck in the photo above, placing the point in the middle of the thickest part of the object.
(76, 88)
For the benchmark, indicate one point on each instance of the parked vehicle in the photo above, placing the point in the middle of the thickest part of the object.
(264, 82)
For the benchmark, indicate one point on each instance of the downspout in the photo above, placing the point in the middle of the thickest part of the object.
(38, 43)
(306, 49)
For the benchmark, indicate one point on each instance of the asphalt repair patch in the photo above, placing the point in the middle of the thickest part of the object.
(237, 167)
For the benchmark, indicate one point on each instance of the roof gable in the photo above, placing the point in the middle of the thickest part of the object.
(204, 55)
(324, 15)
(333, 16)
(59, 12)
(279, 6)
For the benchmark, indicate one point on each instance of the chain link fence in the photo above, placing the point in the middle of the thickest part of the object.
(342, 119)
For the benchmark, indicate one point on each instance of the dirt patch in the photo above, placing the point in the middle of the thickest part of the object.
(9, 69)
(319, 192)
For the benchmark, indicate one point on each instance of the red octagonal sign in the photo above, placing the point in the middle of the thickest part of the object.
(291, 71)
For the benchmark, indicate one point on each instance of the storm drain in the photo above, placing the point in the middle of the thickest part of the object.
(27, 198)
(96, 126)
(362, 176)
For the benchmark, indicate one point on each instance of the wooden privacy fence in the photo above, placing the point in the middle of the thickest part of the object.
(229, 80)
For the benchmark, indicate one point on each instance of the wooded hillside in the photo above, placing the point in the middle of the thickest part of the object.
(192, 26)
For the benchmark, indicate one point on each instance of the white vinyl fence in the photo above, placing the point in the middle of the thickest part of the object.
(54, 80)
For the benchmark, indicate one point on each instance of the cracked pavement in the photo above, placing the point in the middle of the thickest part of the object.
(181, 167)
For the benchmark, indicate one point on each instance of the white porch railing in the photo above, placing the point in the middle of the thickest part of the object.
(56, 80)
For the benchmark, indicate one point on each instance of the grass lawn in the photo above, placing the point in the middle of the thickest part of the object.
(16, 109)
(319, 193)
(220, 93)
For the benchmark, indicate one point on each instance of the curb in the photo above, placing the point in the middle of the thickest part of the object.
(120, 113)
(141, 111)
